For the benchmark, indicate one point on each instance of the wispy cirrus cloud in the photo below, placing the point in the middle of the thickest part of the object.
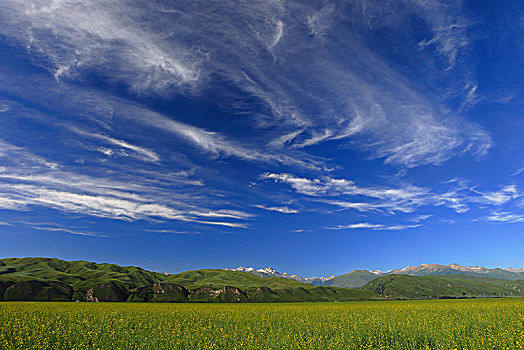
(175, 232)
(4, 107)
(284, 210)
(370, 226)
(288, 76)
(408, 198)
(259, 48)
(66, 230)
(29, 180)
(421, 218)
(331, 191)
(217, 144)
(502, 196)
(110, 112)
(505, 217)
(359, 206)
(72, 37)
(20, 197)
(518, 172)
(142, 152)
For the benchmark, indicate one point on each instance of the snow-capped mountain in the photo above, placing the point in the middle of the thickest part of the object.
(511, 269)
(356, 278)
(271, 272)
(377, 272)
(437, 269)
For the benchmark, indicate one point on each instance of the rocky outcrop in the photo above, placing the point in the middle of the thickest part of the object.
(225, 294)
(102, 292)
(89, 296)
(161, 293)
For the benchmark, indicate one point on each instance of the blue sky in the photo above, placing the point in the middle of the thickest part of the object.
(316, 137)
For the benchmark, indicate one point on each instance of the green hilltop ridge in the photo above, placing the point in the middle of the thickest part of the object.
(265, 289)
(455, 269)
(48, 279)
(358, 278)
(51, 279)
(353, 279)
(443, 286)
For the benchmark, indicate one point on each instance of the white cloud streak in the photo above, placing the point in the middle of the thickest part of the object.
(503, 196)
(4, 107)
(259, 48)
(143, 153)
(405, 199)
(175, 232)
(32, 181)
(370, 226)
(328, 190)
(505, 217)
(66, 230)
(74, 36)
(104, 109)
(216, 144)
(304, 72)
(421, 218)
(283, 210)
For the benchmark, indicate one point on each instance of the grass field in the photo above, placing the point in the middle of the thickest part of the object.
(439, 324)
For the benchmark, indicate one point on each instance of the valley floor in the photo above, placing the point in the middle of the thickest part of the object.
(435, 324)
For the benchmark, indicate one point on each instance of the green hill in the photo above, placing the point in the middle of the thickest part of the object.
(217, 278)
(264, 289)
(445, 286)
(59, 280)
(78, 274)
(455, 269)
(353, 279)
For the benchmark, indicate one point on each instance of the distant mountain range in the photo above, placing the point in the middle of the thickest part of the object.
(46, 279)
(398, 286)
(270, 272)
(358, 278)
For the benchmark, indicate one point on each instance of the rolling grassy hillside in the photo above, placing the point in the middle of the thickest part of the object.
(454, 269)
(445, 286)
(358, 278)
(217, 278)
(59, 280)
(77, 274)
(265, 289)
(353, 279)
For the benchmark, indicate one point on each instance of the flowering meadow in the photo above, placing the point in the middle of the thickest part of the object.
(437, 324)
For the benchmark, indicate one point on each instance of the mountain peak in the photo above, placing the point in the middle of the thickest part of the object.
(467, 268)
(377, 272)
(355, 278)
(271, 272)
(518, 270)
(429, 269)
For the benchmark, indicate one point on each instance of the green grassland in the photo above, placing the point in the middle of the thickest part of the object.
(78, 274)
(46, 279)
(353, 279)
(444, 286)
(433, 324)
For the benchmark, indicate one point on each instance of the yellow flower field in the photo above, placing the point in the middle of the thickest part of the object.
(439, 324)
